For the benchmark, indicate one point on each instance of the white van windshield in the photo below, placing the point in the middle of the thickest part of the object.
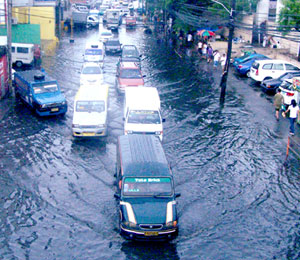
(143, 117)
(44, 88)
(90, 106)
(93, 52)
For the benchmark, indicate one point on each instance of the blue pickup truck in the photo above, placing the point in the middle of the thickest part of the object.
(40, 91)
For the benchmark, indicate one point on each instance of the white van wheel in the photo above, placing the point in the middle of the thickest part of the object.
(19, 64)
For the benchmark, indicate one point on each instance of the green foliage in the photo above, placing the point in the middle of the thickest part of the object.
(289, 17)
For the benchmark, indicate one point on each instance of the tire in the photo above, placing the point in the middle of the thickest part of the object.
(19, 64)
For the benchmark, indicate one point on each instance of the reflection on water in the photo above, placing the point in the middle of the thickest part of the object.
(157, 251)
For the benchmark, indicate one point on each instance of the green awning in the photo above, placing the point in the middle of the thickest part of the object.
(23, 33)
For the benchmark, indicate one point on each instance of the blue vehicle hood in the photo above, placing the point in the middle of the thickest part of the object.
(48, 98)
(150, 210)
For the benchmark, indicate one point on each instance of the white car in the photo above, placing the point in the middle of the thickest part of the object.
(91, 74)
(270, 69)
(289, 92)
(105, 35)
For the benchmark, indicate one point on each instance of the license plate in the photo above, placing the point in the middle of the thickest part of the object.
(54, 109)
(89, 134)
(151, 233)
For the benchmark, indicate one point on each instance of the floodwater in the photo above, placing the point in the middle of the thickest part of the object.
(237, 200)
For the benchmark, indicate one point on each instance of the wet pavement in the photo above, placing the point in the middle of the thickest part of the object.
(237, 200)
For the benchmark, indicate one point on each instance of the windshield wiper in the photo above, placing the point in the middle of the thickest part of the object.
(161, 195)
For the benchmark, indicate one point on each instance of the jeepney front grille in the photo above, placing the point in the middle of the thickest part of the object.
(151, 226)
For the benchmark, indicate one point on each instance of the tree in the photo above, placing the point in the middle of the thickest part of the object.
(289, 17)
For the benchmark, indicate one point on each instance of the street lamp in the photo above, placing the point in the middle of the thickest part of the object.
(223, 82)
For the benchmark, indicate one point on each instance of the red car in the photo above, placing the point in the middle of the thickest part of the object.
(130, 21)
(128, 75)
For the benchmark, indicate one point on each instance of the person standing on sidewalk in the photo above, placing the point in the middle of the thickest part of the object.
(294, 113)
(278, 101)
(204, 50)
(209, 53)
(37, 57)
(216, 58)
(223, 62)
(200, 45)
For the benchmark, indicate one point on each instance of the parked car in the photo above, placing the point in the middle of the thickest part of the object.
(130, 53)
(271, 85)
(104, 35)
(128, 75)
(244, 58)
(289, 92)
(244, 67)
(40, 91)
(270, 69)
(91, 74)
(113, 46)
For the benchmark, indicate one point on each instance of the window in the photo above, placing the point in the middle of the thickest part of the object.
(278, 66)
(267, 66)
(291, 67)
(143, 117)
(90, 106)
(22, 50)
(147, 186)
(13, 49)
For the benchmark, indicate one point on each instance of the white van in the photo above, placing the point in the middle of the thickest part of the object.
(90, 111)
(142, 113)
(22, 54)
(94, 52)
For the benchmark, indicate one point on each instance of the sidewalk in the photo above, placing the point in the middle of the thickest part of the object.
(5, 106)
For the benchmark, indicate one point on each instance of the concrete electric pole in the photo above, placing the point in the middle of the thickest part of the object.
(9, 60)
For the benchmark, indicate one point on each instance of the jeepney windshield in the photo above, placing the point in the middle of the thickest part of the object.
(44, 88)
(90, 106)
(143, 117)
(93, 52)
(147, 186)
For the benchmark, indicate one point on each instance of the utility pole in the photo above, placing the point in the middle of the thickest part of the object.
(223, 83)
(8, 28)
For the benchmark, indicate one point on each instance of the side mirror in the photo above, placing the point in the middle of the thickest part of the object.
(177, 195)
(163, 120)
(117, 196)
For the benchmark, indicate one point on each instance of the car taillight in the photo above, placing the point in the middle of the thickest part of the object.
(290, 94)
(240, 66)
(269, 86)
(256, 73)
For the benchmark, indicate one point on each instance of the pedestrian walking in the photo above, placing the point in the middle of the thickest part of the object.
(217, 57)
(200, 45)
(37, 56)
(278, 101)
(223, 62)
(204, 50)
(265, 39)
(189, 39)
(294, 113)
(209, 53)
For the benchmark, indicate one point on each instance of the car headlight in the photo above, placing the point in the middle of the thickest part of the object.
(101, 126)
(128, 132)
(129, 224)
(171, 224)
(63, 103)
(158, 132)
(75, 125)
(42, 105)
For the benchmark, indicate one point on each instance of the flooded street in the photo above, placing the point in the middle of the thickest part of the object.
(237, 200)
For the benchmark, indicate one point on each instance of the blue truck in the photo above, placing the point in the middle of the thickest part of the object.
(40, 91)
